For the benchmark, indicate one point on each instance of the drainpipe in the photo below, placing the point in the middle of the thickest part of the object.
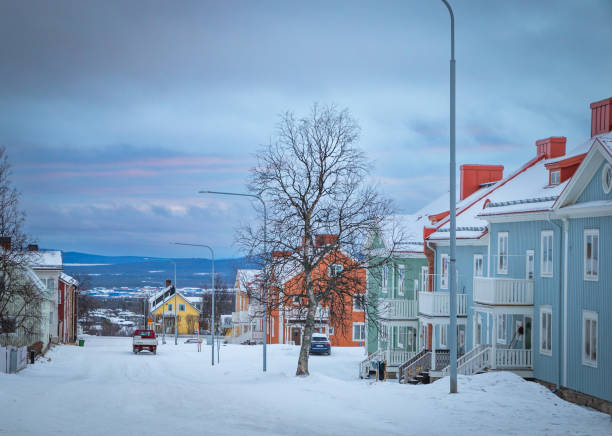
(560, 295)
(565, 257)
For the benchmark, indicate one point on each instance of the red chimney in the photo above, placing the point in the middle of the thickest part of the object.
(5, 242)
(325, 239)
(428, 231)
(472, 176)
(551, 147)
(168, 283)
(601, 116)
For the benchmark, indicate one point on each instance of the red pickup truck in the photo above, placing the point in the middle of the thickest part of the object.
(144, 340)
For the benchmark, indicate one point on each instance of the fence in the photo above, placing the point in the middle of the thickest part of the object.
(13, 359)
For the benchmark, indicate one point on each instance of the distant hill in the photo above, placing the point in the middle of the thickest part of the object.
(139, 271)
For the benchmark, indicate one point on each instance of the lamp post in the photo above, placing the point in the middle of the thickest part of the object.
(452, 337)
(212, 329)
(265, 293)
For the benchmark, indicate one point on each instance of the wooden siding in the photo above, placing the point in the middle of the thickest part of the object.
(595, 296)
(594, 189)
(523, 236)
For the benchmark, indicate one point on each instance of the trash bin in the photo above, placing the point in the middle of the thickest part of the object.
(381, 370)
(81, 342)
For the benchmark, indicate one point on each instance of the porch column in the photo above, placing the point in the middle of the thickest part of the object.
(494, 343)
(433, 346)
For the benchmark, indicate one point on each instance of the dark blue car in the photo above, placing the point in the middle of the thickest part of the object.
(320, 344)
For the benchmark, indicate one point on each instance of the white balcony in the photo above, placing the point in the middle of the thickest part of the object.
(503, 291)
(438, 304)
(299, 313)
(240, 317)
(397, 309)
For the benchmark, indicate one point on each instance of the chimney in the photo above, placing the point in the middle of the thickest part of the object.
(428, 231)
(601, 116)
(551, 147)
(168, 283)
(5, 242)
(325, 239)
(472, 176)
(32, 247)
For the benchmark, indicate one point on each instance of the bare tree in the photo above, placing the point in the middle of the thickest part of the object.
(320, 213)
(21, 292)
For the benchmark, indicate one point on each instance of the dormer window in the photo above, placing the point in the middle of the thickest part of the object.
(555, 177)
(335, 270)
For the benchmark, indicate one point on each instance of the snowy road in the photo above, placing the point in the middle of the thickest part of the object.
(103, 389)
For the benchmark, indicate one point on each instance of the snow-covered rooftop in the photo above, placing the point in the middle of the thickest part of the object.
(45, 259)
(68, 279)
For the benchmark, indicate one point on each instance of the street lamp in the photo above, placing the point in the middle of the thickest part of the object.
(453, 225)
(265, 294)
(212, 329)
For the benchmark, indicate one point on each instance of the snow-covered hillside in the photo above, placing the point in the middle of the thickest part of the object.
(103, 389)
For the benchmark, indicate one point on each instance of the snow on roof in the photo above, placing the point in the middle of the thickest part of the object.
(45, 259)
(244, 277)
(584, 147)
(68, 279)
(194, 300)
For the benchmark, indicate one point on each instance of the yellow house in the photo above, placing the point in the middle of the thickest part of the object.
(187, 314)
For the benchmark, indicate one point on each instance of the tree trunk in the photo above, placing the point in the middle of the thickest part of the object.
(302, 368)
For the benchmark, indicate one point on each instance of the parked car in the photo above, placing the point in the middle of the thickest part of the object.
(320, 344)
(144, 340)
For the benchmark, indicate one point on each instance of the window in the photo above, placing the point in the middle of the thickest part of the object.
(443, 336)
(478, 263)
(331, 331)
(358, 331)
(529, 264)
(546, 330)
(501, 329)
(400, 337)
(606, 178)
(415, 287)
(385, 273)
(169, 307)
(296, 300)
(591, 254)
(59, 297)
(8, 326)
(424, 278)
(358, 303)
(555, 177)
(181, 307)
(335, 270)
(589, 338)
(50, 283)
(444, 271)
(547, 254)
(502, 253)
(400, 280)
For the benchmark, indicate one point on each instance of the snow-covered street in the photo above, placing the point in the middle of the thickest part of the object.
(103, 389)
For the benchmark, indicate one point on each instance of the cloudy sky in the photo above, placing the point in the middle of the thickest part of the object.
(115, 114)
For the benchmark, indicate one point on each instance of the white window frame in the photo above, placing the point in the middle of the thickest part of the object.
(169, 307)
(385, 278)
(532, 264)
(330, 330)
(182, 307)
(400, 341)
(415, 287)
(444, 265)
(443, 335)
(501, 328)
(546, 265)
(335, 270)
(356, 298)
(478, 265)
(590, 317)
(295, 300)
(555, 177)
(606, 178)
(400, 279)
(424, 278)
(594, 260)
(502, 257)
(59, 296)
(361, 327)
(546, 333)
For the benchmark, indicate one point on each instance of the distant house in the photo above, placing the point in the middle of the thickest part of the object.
(67, 308)
(247, 319)
(169, 302)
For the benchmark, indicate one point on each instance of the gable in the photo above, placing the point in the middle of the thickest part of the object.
(594, 191)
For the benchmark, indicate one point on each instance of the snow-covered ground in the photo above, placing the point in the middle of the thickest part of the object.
(103, 389)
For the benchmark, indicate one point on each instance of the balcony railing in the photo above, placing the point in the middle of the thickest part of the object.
(438, 304)
(299, 313)
(503, 291)
(397, 309)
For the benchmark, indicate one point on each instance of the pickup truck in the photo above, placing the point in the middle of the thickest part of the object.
(144, 340)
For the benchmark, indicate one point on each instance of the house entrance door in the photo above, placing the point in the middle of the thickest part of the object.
(296, 335)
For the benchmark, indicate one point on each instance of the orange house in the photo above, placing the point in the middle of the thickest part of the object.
(286, 322)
